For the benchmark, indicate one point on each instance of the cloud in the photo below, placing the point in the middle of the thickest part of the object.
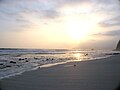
(21, 11)
(45, 9)
(111, 22)
(113, 33)
(112, 9)
(109, 33)
(50, 9)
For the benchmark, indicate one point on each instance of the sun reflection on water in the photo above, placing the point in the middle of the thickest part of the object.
(80, 56)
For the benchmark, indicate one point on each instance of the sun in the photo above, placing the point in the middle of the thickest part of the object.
(79, 30)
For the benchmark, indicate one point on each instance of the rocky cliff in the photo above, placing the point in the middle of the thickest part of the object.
(118, 46)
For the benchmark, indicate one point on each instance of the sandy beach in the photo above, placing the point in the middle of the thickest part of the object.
(103, 74)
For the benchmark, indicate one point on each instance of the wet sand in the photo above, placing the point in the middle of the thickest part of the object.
(103, 74)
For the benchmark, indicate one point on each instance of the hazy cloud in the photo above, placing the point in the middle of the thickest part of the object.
(111, 22)
(17, 11)
(29, 6)
(112, 9)
(109, 33)
(113, 33)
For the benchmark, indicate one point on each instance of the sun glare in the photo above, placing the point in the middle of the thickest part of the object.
(79, 29)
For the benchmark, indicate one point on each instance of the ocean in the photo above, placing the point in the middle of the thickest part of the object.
(17, 61)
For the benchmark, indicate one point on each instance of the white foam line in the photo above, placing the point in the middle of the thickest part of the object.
(11, 75)
(49, 65)
(42, 66)
(52, 64)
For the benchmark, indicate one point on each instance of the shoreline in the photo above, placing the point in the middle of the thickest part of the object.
(53, 64)
(102, 74)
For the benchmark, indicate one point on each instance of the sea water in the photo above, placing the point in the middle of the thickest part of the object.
(17, 61)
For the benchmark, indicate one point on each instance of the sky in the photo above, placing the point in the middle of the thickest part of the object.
(49, 24)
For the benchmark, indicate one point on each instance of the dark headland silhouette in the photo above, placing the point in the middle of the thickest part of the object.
(118, 46)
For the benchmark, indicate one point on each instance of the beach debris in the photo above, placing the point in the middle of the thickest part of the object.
(74, 65)
(113, 54)
(116, 53)
(60, 58)
(20, 59)
(1, 63)
(8, 66)
(52, 59)
(35, 58)
(86, 54)
(109, 54)
(47, 59)
(25, 58)
(4, 66)
(13, 62)
(19, 55)
(26, 61)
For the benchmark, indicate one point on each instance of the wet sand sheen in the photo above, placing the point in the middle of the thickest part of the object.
(101, 74)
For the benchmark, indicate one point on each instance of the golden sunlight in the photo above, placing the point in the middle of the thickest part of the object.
(79, 29)
(77, 56)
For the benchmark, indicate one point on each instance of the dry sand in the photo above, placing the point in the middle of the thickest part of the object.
(101, 74)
